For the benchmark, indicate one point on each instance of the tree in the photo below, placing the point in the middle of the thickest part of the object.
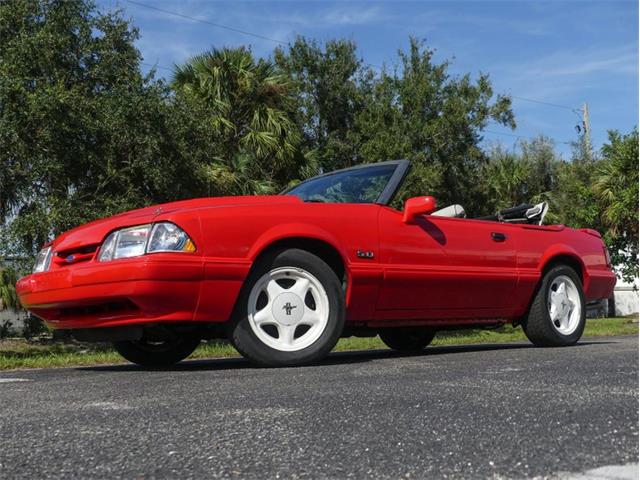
(505, 179)
(574, 202)
(616, 187)
(82, 133)
(542, 180)
(246, 103)
(351, 114)
(529, 174)
(438, 121)
(327, 82)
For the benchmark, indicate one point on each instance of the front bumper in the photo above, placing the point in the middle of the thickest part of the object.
(149, 289)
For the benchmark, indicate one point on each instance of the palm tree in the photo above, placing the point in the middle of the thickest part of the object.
(616, 184)
(248, 105)
(238, 176)
(507, 176)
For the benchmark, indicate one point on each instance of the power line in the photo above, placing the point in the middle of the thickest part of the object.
(282, 42)
(226, 27)
(202, 20)
(544, 103)
(155, 65)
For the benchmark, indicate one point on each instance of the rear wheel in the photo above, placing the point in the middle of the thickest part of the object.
(407, 339)
(161, 353)
(558, 312)
(291, 311)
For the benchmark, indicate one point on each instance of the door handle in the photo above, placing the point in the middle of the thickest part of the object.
(498, 237)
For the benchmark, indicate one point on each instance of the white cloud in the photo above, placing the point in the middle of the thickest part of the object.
(353, 16)
(568, 72)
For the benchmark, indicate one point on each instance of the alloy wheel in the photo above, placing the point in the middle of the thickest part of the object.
(288, 309)
(564, 305)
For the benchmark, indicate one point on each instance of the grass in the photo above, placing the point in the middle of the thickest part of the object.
(18, 353)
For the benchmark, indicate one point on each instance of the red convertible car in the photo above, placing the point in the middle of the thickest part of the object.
(283, 277)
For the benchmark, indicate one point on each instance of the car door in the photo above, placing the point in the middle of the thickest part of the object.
(444, 266)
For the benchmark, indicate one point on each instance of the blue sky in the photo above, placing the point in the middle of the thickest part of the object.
(560, 52)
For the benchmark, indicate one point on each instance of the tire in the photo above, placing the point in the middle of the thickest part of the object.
(290, 312)
(557, 315)
(407, 339)
(157, 354)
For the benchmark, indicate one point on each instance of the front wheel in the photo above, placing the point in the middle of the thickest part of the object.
(557, 315)
(162, 353)
(407, 339)
(291, 310)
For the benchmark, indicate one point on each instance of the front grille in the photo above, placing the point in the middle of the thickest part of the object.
(76, 255)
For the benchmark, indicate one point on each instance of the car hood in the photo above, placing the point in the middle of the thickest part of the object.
(93, 233)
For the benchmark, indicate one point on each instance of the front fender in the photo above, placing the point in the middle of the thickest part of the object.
(296, 230)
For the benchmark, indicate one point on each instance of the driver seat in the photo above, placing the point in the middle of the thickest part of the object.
(455, 211)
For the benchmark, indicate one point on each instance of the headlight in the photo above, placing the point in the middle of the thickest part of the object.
(43, 260)
(136, 241)
(125, 243)
(167, 237)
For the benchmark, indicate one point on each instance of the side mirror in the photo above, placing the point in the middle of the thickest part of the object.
(418, 206)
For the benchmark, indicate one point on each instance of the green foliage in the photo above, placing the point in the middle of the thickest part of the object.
(82, 133)
(33, 327)
(506, 176)
(440, 122)
(328, 88)
(350, 114)
(245, 104)
(239, 175)
(528, 175)
(8, 297)
(574, 201)
(616, 188)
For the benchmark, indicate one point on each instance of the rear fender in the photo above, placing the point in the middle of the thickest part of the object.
(558, 251)
(554, 253)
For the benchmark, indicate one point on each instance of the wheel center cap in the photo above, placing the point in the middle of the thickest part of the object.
(564, 304)
(287, 308)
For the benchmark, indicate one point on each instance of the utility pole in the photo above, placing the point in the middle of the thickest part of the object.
(587, 129)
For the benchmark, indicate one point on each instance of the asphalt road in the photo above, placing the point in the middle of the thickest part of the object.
(509, 411)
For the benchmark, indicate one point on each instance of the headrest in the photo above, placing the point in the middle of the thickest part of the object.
(455, 211)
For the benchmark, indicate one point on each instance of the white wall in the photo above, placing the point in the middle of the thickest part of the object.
(16, 319)
(626, 299)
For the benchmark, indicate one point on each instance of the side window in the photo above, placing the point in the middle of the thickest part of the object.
(354, 189)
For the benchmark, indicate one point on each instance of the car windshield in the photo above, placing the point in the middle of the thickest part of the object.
(355, 185)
